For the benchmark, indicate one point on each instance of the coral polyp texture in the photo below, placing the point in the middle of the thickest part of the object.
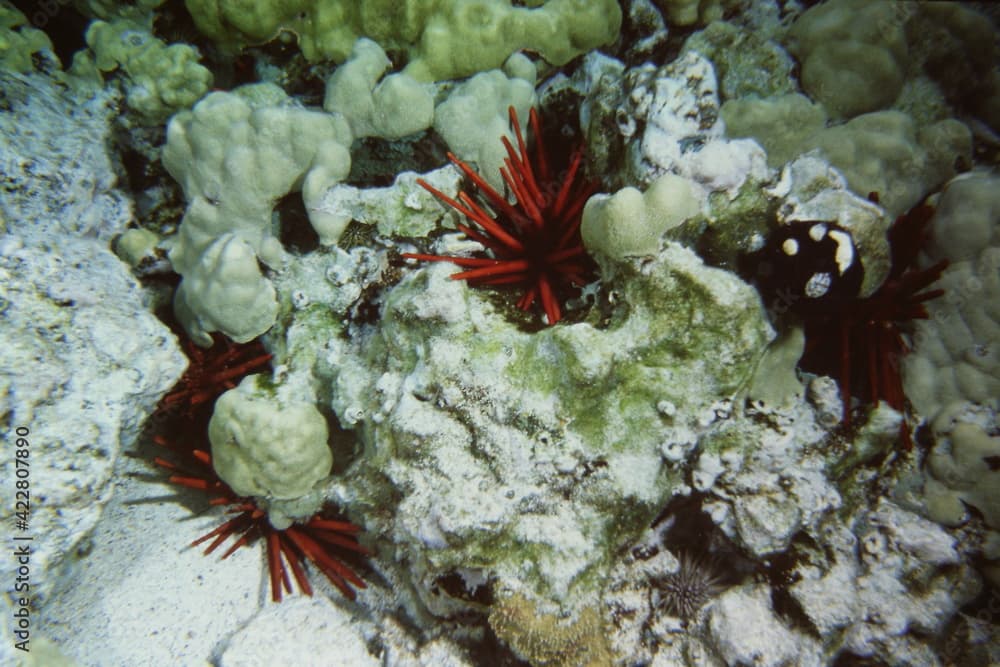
(535, 242)
(317, 539)
(435, 37)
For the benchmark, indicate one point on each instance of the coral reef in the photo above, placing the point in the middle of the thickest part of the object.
(662, 475)
(159, 79)
(471, 398)
(435, 36)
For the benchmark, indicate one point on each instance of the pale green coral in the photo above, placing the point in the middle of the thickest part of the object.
(110, 9)
(955, 356)
(391, 108)
(135, 245)
(474, 117)
(442, 40)
(631, 223)
(959, 470)
(853, 54)
(691, 12)
(160, 79)
(19, 41)
(225, 291)
(883, 152)
(782, 124)
(235, 154)
(268, 446)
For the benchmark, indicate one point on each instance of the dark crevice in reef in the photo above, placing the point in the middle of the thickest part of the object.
(64, 25)
(295, 232)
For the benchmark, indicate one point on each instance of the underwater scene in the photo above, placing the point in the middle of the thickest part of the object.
(444, 333)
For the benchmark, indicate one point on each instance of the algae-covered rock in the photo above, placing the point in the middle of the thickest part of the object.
(746, 64)
(403, 209)
(530, 458)
(545, 639)
(646, 121)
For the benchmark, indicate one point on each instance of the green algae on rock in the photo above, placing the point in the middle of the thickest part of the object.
(533, 457)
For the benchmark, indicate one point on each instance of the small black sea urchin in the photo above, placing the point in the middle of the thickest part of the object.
(684, 592)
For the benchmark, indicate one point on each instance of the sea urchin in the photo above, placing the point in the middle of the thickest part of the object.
(318, 539)
(533, 242)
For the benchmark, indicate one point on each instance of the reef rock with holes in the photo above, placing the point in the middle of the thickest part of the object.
(516, 461)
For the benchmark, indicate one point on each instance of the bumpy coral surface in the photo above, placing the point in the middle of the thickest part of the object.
(436, 36)
(653, 480)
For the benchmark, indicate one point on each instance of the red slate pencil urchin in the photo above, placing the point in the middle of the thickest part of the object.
(863, 343)
(813, 269)
(318, 539)
(534, 242)
(212, 371)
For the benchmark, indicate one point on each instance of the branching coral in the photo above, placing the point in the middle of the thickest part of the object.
(535, 242)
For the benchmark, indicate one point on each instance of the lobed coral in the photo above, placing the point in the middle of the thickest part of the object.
(158, 79)
(434, 36)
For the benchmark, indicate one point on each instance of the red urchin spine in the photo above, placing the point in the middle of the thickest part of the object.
(534, 242)
(316, 539)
